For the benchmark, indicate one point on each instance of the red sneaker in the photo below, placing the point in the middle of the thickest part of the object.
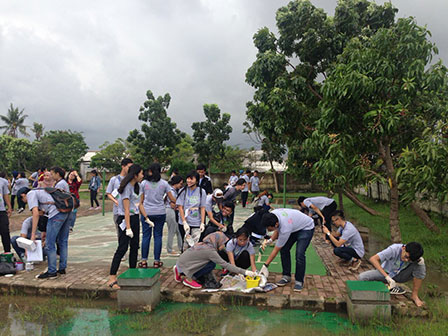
(224, 272)
(192, 284)
(177, 276)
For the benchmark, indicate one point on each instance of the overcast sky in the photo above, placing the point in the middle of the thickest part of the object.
(86, 65)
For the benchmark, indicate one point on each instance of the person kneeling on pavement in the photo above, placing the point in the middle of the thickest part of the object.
(198, 262)
(347, 241)
(399, 263)
(239, 251)
(25, 232)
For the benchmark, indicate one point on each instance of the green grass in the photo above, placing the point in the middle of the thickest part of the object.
(412, 229)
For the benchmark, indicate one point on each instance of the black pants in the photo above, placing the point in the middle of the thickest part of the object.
(182, 234)
(346, 253)
(13, 197)
(327, 212)
(244, 196)
(123, 243)
(210, 228)
(93, 194)
(242, 261)
(4, 231)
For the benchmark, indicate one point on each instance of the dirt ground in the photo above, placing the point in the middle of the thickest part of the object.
(16, 219)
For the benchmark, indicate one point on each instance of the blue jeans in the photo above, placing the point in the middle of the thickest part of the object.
(158, 221)
(210, 266)
(303, 239)
(20, 251)
(72, 218)
(58, 228)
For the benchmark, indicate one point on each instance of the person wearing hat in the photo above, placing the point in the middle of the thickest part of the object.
(213, 199)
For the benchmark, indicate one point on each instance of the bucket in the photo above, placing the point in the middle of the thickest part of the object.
(19, 266)
(252, 282)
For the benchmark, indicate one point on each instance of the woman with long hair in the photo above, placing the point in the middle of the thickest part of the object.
(129, 225)
(154, 188)
(74, 182)
(191, 202)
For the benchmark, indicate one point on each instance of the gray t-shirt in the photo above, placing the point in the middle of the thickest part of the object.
(114, 184)
(209, 203)
(19, 184)
(41, 199)
(153, 196)
(291, 220)
(231, 194)
(320, 201)
(27, 228)
(247, 179)
(232, 180)
(255, 183)
(263, 200)
(192, 201)
(232, 246)
(391, 260)
(4, 190)
(352, 237)
(173, 193)
(134, 199)
(63, 185)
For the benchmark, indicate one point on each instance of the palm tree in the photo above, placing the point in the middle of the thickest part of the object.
(38, 130)
(14, 122)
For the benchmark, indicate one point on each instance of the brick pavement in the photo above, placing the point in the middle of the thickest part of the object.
(320, 293)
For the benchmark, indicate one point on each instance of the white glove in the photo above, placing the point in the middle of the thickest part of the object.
(264, 271)
(223, 228)
(151, 223)
(202, 227)
(392, 283)
(265, 243)
(129, 233)
(250, 274)
(186, 228)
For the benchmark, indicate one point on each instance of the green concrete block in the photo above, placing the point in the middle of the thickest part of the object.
(139, 277)
(367, 291)
(363, 312)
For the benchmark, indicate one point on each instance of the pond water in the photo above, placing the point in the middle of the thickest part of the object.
(57, 316)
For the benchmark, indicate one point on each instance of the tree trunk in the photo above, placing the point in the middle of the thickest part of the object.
(394, 218)
(424, 218)
(358, 202)
(274, 175)
(340, 200)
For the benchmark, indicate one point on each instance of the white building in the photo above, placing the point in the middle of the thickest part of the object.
(84, 168)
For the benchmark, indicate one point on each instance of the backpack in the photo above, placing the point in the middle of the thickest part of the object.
(63, 201)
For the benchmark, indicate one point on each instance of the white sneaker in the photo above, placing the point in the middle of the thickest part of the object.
(97, 208)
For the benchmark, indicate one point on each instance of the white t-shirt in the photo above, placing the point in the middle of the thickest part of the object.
(291, 220)
(41, 199)
(63, 185)
(27, 227)
(352, 237)
(255, 183)
(232, 246)
(134, 199)
(246, 178)
(4, 190)
(153, 196)
(192, 201)
(232, 180)
(112, 188)
(320, 202)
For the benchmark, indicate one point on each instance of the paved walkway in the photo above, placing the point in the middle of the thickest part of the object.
(94, 241)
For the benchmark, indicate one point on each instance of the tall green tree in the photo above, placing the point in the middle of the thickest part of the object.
(110, 155)
(209, 135)
(38, 130)
(65, 148)
(14, 122)
(158, 136)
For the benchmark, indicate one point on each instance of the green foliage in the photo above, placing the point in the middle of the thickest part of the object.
(232, 160)
(184, 150)
(38, 130)
(209, 135)
(14, 122)
(158, 136)
(110, 156)
(15, 154)
(184, 167)
(64, 148)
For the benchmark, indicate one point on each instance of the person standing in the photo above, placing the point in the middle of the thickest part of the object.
(129, 207)
(254, 185)
(94, 185)
(74, 182)
(5, 212)
(191, 203)
(154, 188)
(171, 208)
(112, 188)
(245, 191)
(204, 181)
(20, 182)
(233, 178)
(290, 227)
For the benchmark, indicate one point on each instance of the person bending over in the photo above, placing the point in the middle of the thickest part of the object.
(399, 263)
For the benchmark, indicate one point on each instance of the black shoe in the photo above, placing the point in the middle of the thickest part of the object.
(62, 271)
(47, 275)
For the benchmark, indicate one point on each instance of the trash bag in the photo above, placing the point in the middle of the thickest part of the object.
(7, 268)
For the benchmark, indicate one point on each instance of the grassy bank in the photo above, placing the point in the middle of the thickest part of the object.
(412, 229)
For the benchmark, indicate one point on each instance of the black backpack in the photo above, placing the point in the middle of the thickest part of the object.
(64, 201)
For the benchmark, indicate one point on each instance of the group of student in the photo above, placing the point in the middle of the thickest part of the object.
(142, 198)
